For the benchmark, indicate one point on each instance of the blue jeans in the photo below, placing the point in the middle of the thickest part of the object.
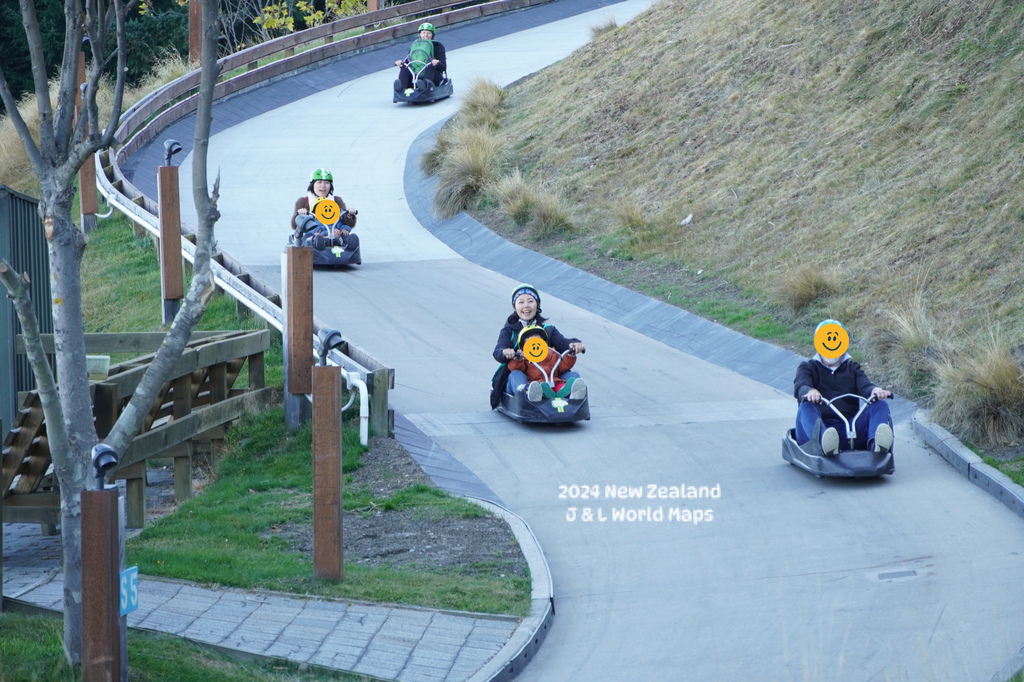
(517, 379)
(874, 414)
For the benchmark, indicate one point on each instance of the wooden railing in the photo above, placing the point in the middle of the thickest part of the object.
(197, 401)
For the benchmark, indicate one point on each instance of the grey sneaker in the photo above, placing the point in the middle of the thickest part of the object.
(883, 438)
(578, 390)
(830, 441)
(534, 393)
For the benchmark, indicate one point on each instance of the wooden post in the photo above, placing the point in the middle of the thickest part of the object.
(372, 5)
(380, 419)
(182, 406)
(171, 281)
(88, 203)
(328, 555)
(101, 640)
(298, 336)
(195, 32)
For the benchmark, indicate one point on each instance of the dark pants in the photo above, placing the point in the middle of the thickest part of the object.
(428, 73)
(873, 415)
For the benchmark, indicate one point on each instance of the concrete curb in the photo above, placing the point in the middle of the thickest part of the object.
(970, 466)
(526, 640)
(986, 477)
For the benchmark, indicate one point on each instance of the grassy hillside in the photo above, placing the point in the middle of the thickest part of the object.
(857, 160)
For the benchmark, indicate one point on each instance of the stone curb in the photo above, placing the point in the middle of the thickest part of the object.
(970, 465)
(526, 640)
(986, 477)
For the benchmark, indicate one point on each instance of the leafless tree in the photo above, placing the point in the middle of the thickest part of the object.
(65, 143)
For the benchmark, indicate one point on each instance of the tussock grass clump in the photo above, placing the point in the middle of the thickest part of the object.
(471, 159)
(907, 346)
(483, 105)
(607, 26)
(629, 216)
(514, 196)
(550, 215)
(981, 395)
(433, 159)
(802, 286)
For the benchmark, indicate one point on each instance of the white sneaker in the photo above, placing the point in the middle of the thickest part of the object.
(534, 393)
(830, 441)
(883, 438)
(578, 390)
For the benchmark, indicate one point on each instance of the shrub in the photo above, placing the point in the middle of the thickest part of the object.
(483, 105)
(515, 198)
(981, 396)
(469, 162)
(906, 347)
(603, 28)
(549, 215)
(804, 285)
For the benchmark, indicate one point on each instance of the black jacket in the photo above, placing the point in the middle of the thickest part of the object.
(507, 339)
(848, 378)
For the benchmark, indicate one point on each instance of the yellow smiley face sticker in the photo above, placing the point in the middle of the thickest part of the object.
(831, 339)
(327, 211)
(535, 349)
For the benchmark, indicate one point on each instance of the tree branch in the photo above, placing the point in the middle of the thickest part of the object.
(11, 105)
(202, 287)
(67, 90)
(35, 48)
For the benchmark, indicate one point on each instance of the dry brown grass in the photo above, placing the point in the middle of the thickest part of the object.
(980, 396)
(483, 104)
(550, 216)
(801, 286)
(605, 27)
(907, 346)
(514, 197)
(433, 158)
(468, 164)
(629, 215)
(15, 168)
(880, 138)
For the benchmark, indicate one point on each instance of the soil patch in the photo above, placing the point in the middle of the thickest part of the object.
(411, 538)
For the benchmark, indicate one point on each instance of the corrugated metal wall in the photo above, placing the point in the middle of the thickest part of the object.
(23, 245)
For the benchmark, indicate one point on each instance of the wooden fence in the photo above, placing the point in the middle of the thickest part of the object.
(195, 404)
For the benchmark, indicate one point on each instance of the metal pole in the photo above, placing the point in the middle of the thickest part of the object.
(328, 555)
(172, 284)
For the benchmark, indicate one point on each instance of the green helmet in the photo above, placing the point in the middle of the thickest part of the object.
(427, 26)
(321, 174)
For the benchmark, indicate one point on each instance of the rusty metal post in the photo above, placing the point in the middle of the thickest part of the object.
(88, 203)
(101, 640)
(298, 334)
(195, 32)
(328, 556)
(171, 281)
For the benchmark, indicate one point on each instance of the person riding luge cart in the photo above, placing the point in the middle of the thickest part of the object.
(535, 382)
(422, 75)
(322, 221)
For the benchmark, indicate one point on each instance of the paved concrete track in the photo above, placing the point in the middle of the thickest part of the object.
(911, 577)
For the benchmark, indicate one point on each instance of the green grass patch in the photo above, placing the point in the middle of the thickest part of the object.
(121, 293)
(264, 481)
(31, 651)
